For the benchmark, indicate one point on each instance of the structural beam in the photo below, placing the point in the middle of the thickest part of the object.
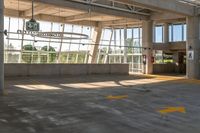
(163, 5)
(37, 10)
(11, 12)
(166, 16)
(81, 17)
(125, 21)
(1, 47)
(57, 19)
(70, 4)
(44, 17)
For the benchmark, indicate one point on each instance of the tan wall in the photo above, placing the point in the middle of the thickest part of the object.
(181, 46)
(164, 68)
(64, 69)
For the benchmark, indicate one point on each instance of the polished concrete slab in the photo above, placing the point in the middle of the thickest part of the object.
(84, 104)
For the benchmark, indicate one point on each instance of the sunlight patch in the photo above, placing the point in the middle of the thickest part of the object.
(94, 85)
(38, 87)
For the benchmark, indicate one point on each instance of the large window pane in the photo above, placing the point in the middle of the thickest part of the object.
(158, 36)
(177, 33)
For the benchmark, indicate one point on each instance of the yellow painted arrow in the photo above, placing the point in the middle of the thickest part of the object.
(116, 97)
(172, 110)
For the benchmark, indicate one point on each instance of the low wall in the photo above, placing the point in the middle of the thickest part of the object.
(164, 68)
(64, 69)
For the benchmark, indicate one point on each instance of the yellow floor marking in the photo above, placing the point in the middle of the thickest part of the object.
(117, 97)
(172, 110)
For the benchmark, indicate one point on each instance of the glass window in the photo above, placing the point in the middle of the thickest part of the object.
(158, 34)
(177, 32)
(21, 48)
(113, 47)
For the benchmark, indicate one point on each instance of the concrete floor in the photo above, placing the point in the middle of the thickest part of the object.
(81, 105)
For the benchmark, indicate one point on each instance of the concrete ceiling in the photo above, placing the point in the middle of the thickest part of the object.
(94, 11)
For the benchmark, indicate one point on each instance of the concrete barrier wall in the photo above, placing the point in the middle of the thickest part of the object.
(64, 69)
(164, 68)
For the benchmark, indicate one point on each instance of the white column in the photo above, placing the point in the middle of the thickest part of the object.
(95, 40)
(1, 47)
(193, 47)
(147, 42)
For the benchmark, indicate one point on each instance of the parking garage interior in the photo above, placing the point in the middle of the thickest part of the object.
(99, 66)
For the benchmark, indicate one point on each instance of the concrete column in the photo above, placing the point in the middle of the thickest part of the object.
(147, 42)
(193, 44)
(166, 33)
(94, 48)
(1, 47)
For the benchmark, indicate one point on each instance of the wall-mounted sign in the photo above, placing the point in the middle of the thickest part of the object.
(191, 55)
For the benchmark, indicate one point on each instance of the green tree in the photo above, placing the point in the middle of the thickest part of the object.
(29, 47)
(52, 56)
(28, 56)
(129, 43)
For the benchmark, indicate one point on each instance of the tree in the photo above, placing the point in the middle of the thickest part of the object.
(129, 43)
(28, 55)
(29, 47)
(52, 56)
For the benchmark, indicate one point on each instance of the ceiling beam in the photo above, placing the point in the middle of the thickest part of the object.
(37, 10)
(44, 17)
(11, 12)
(74, 5)
(165, 16)
(80, 17)
(120, 22)
(165, 5)
(58, 19)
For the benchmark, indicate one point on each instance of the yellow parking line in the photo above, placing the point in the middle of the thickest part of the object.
(116, 97)
(168, 110)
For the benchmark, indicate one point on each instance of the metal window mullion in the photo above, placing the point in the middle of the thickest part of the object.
(32, 55)
(48, 46)
(70, 45)
(108, 48)
(61, 42)
(8, 40)
(77, 56)
(22, 42)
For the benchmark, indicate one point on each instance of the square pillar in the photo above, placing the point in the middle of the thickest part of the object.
(147, 43)
(193, 47)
